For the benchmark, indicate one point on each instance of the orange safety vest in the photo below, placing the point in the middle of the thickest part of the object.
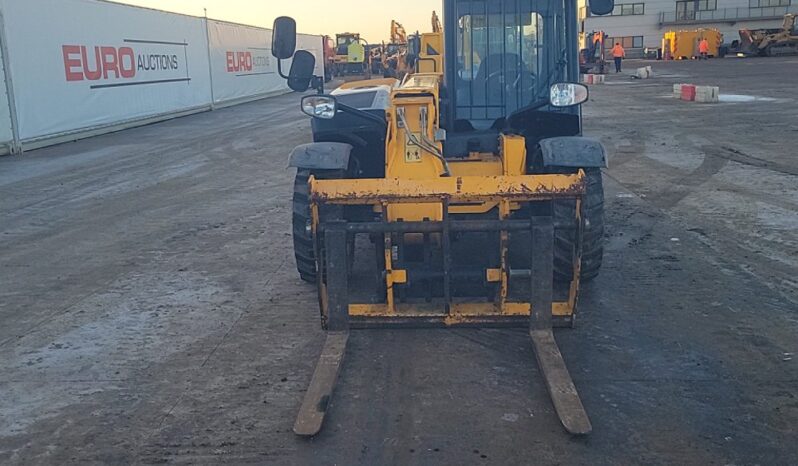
(618, 51)
(703, 46)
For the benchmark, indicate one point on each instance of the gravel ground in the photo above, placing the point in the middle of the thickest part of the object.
(150, 311)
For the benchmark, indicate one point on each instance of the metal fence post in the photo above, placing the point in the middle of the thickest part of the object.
(210, 63)
(16, 144)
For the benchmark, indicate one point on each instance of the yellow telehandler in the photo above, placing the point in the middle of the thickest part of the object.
(481, 198)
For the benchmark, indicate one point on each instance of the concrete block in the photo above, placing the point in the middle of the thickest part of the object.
(643, 73)
(598, 79)
(587, 79)
(707, 94)
(677, 90)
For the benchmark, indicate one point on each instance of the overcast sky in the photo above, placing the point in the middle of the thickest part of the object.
(371, 18)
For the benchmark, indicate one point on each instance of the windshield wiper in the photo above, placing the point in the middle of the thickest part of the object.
(542, 99)
(559, 68)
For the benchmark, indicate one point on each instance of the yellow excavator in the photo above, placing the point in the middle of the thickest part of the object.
(399, 55)
(482, 200)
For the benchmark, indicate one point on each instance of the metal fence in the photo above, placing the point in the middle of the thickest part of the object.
(77, 68)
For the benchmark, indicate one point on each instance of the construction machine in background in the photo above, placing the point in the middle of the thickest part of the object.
(482, 200)
(350, 54)
(593, 58)
(399, 55)
(769, 42)
(374, 55)
(328, 44)
(683, 45)
(398, 34)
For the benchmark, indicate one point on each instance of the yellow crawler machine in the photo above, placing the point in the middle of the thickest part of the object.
(483, 201)
(771, 42)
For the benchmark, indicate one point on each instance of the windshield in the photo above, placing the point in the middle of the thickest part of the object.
(507, 51)
(343, 44)
(345, 40)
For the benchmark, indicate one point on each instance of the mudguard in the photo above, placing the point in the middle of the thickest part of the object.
(321, 156)
(573, 151)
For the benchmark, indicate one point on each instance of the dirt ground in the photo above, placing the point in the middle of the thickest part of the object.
(150, 311)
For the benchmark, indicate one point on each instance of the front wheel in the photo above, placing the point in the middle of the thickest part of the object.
(304, 251)
(301, 223)
(565, 241)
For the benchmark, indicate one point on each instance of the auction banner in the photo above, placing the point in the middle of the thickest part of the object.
(79, 64)
(242, 63)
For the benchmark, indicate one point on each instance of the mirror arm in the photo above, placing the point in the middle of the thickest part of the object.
(280, 69)
(318, 83)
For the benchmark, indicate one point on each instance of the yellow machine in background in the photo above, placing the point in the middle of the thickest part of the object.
(593, 57)
(350, 54)
(397, 58)
(683, 45)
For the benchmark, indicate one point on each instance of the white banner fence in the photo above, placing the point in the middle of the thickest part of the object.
(76, 68)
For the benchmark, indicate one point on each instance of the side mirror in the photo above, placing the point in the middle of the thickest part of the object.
(284, 38)
(320, 106)
(601, 7)
(568, 94)
(301, 73)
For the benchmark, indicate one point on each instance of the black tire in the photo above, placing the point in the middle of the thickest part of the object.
(303, 237)
(592, 234)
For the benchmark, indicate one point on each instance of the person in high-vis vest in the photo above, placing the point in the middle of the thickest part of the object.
(618, 54)
(703, 49)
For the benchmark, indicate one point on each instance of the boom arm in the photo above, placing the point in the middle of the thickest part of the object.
(398, 34)
(436, 23)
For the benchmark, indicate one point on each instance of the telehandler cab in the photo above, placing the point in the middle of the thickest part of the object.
(483, 201)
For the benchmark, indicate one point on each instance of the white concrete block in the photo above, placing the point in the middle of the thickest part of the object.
(707, 94)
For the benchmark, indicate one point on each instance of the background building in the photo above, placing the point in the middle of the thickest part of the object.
(640, 24)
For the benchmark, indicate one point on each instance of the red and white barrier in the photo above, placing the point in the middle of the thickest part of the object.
(693, 93)
(593, 78)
